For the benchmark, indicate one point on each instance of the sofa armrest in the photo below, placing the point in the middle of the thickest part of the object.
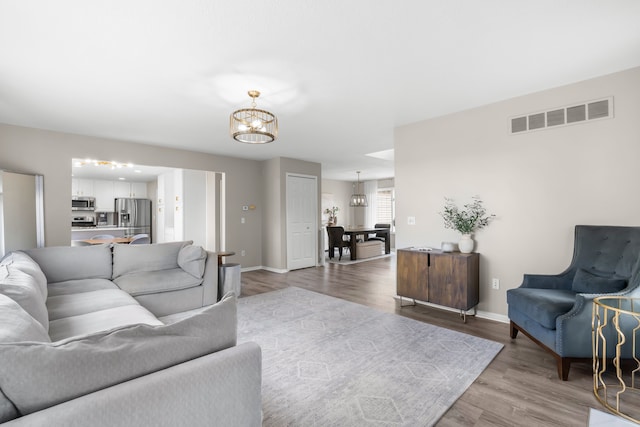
(210, 279)
(222, 388)
(547, 281)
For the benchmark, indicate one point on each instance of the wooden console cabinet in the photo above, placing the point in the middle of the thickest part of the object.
(450, 279)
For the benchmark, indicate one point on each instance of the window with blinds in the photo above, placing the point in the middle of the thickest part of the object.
(385, 206)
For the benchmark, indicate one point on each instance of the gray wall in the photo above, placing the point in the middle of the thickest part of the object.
(540, 184)
(274, 187)
(49, 153)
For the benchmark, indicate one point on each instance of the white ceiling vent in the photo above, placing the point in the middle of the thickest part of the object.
(577, 113)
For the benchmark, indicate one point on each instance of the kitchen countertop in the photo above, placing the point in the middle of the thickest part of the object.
(101, 227)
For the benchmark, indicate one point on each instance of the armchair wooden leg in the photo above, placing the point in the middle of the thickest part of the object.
(513, 330)
(564, 364)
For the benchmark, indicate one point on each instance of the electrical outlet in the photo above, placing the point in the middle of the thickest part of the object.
(242, 253)
(495, 283)
(411, 220)
(242, 220)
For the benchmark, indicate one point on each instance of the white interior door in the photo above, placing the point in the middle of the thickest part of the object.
(302, 220)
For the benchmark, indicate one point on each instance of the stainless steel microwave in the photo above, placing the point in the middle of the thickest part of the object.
(83, 203)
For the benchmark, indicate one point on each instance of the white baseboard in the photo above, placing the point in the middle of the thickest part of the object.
(260, 267)
(479, 313)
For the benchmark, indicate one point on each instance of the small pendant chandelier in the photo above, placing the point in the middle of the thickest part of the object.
(252, 125)
(358, 198)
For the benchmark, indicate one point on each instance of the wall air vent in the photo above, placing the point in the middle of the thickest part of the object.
(572, 114)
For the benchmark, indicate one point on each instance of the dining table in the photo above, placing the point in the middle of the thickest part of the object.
(354, 232)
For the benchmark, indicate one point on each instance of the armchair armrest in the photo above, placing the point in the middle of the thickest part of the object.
(573, 338)
(547, 281)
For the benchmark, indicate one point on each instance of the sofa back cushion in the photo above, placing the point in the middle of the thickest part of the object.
(139, 258)
(103, 359)
(24, 290)
(62, 263)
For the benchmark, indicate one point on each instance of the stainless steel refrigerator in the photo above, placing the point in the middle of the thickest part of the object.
(135, 215)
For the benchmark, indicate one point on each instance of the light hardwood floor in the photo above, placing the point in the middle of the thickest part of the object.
(519, 388)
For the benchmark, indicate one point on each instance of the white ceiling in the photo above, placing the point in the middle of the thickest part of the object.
(340, 75)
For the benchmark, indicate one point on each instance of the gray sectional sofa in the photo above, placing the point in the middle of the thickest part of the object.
(122, 335)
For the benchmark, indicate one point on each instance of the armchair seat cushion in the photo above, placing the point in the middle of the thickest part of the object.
(590, 283)
(543, 305)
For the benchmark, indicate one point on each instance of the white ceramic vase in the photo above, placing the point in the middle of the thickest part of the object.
(466, 244)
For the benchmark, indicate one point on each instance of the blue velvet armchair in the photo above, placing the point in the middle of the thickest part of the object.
(555, 310)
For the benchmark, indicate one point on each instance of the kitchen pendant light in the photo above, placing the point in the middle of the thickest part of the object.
(252, 125)
(358, 199)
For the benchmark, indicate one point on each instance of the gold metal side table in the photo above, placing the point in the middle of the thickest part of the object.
(616, 367)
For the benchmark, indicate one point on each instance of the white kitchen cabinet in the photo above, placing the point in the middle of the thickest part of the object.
(159, 228)
(178, 206)
(104, 193)
(139, 190)
(136, 190)
(82, 187)
(121, 189)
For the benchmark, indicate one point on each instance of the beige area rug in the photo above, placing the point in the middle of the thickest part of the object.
(346, 258)
(330, 362)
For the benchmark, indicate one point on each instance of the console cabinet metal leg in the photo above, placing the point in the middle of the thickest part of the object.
(450, 279)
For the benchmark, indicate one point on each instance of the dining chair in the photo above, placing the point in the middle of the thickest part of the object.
(380, 236)
(140, 239)
(102, 236)
(337, 240)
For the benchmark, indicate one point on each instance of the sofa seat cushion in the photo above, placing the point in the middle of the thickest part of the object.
(62, 263)
(79, 285)
(542, 305)
(81, 365)
(68, 305)
(152, 282)
(99, 321)
(24, 289)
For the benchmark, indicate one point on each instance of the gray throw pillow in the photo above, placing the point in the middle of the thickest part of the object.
(191, 259)
(24, 263)
(24, 289)
(17, 325)
(81, 365)
(589, 283)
